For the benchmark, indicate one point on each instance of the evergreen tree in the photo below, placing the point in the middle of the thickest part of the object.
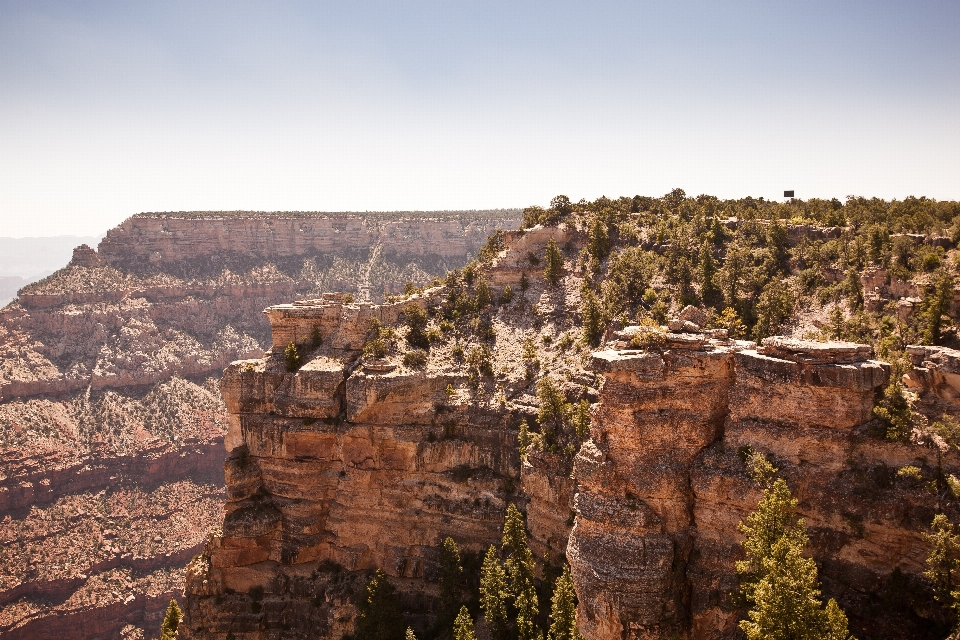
(463, 626)
(593, 324)
(731, 274)
(773, 309)
(168, 629)
(292, 357)
(553, 268)
(778, 581)
(483, 294)
(787, 600)
(707, 271)
(450, 582)
(854, 289)
(942, 562)
(410, 635)
(563, 612)
(599, 243)
(378, 612)
(493, 594)
(520, 574)
(935, 307)
(417, 321)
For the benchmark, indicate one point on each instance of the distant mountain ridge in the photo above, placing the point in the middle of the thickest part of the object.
(34, 258)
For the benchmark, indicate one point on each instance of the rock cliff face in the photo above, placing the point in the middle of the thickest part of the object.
(177, 242)
(337, 468)
(111, 430)
(662, 486)
(348, 464)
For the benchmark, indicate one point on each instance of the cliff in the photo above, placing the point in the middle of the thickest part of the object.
(355, 462)
(343, 466)
(108, 418)
(661, 484)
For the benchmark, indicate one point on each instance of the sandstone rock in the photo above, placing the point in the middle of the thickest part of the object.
(695, 315)
(661, 486)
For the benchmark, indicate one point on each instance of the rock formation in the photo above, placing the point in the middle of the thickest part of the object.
(342, 466)
(661, 483)
(351, 463)
(111, 425)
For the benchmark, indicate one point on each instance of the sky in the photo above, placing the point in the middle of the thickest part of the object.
(108, 109)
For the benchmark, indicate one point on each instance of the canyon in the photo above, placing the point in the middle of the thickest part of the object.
(346, 462)
(111, 418)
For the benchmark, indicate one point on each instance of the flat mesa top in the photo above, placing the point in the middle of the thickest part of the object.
(440, 213)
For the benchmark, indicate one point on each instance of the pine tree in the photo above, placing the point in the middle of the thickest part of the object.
(168, 629)
(707, 271)
(599, 244)
(592, 317)
(483, 294)
(520, 574)
(378, 612)
(563, 612)
(935, 307)
(778, 581)
(450, 580)
(463, 626)
(410, 635)
(493, 594)
(942, 562)
(554, 262)
(292, 357)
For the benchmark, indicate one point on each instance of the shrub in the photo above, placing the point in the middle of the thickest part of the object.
(507, 295)
(348, 298)
(376, 348)
(649, 336)
(553, 259)
(417, 321)
(910, 471)
(416, 359)
(480, 360)
(483, 294)
(316, 339)
(292, 357)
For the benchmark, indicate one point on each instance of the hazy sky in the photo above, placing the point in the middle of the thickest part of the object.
(112, 108)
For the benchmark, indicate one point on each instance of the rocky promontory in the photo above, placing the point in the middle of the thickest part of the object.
(111, 424)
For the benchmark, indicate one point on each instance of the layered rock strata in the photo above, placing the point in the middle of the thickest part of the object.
(662, 485)
(340, 467)
(104, 390)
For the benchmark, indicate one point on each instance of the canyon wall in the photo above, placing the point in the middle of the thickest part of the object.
(172, 240)
(352, 463)
(662, 484)
(111, 425)
(338, 468)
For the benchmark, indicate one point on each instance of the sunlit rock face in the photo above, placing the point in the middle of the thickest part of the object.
(343, 464)
(661, 485)
(111, 420)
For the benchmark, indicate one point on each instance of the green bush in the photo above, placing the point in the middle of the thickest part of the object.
(416, 359)
(292, 357)
(376, 348)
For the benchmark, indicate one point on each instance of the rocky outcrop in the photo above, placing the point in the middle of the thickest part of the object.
(176, 239)
(342, 467)
(662, 485)
(104, 371)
